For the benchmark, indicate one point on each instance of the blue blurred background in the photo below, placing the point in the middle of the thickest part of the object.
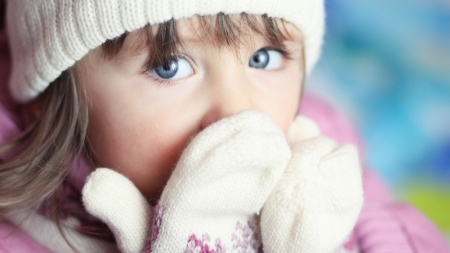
(387, 65)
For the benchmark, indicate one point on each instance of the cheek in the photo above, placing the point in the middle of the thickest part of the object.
(144, 148)
(135, 128)
(286, 107)
(281, 98)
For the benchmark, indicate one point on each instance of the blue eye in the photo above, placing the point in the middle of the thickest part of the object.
(266, 59)
(173, 69)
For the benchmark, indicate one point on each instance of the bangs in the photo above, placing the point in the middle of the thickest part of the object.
(222, 30)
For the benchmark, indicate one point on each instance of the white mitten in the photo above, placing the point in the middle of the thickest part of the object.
(113, 198)
(220, 183)
(317, 202)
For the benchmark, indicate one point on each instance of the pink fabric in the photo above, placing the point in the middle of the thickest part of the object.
(13, 240)
(332, 123)
(9, 120)
(383, 226)
(391, 227)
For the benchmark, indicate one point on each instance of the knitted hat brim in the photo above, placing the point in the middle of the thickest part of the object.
(49, 36)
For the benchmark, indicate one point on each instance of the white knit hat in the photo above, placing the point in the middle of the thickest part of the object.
(49, 36)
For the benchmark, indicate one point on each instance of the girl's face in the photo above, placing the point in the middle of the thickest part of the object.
(141, 119)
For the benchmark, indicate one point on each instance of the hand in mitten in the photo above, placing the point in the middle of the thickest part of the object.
(113, 198)
(316, 203)
(220, 183)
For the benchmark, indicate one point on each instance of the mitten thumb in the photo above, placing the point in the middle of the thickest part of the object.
(302, 129)
(320, 197)
(115, 200)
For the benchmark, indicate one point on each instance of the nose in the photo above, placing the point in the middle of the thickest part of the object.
(227, 99)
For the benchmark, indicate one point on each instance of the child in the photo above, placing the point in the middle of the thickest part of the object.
(192, 102)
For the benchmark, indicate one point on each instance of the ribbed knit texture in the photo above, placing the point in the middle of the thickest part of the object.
(49, 36)
(380, 231)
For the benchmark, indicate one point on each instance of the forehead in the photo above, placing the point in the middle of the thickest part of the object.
(248, 27)
(228, 30)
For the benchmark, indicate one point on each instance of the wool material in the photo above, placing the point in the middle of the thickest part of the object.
(115, 200)
(320, 195)
(212, 205)
(49, 36)
(220, 183)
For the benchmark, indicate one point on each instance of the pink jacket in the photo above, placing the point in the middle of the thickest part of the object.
(383, 226)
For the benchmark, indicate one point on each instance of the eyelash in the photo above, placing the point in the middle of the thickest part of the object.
(168, 82)
(163, 82)
(286, 54)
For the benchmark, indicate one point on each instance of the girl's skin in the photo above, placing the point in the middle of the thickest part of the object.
(140, 122)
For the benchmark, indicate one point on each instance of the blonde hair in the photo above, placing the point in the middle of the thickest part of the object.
(45, 152)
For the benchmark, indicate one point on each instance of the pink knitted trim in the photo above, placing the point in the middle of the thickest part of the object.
(245, 239)
(379, 230)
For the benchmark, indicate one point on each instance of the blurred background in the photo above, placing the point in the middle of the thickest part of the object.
(387, 65)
